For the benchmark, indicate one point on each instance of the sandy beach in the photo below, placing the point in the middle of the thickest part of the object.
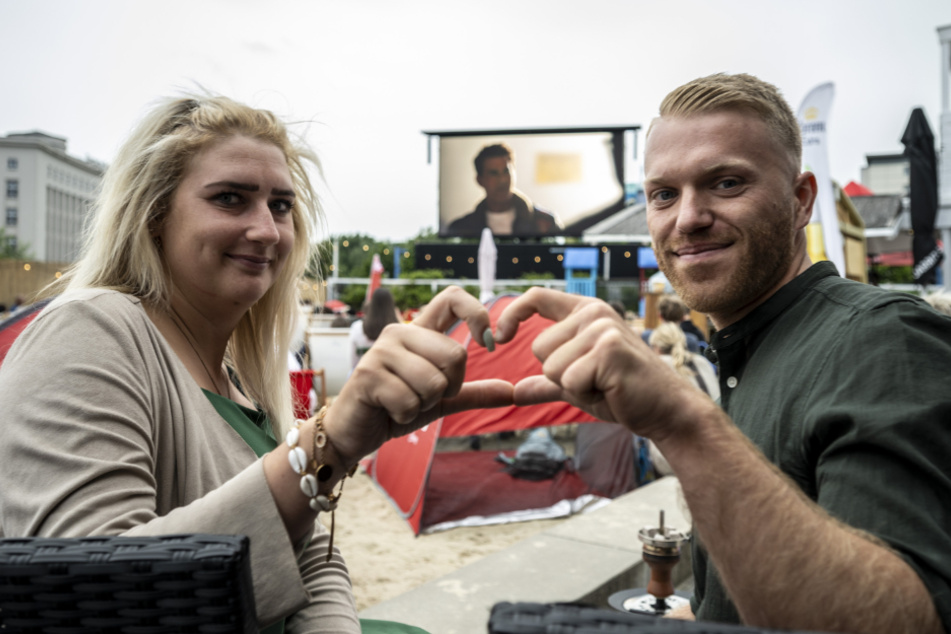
(386, 559)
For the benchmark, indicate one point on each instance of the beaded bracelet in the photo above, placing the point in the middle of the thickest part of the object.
(310, 481)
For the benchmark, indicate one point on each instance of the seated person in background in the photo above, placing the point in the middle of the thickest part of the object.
(670, 343)
(819, 486)
(17, 304)
(379, 312)
(504, 210)
(618, 308)
(149, 396)
(672, 310)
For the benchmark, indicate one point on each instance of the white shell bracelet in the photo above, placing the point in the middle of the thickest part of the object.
(321, 472)
(297, 457)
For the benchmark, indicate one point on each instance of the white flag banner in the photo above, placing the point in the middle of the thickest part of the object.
(813, 121)
(488, 254)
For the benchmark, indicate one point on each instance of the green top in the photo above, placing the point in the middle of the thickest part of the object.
(255, 428)
(844, 387)
(251, 424)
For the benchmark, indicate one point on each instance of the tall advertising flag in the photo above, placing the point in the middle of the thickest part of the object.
(823, 233)
(923, 182)
(376, 276)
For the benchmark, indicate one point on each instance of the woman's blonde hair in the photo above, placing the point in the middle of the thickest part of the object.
(669, 339)
(134, 198)
(940, 301)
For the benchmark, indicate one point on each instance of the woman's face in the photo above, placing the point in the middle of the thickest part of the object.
(229, 229)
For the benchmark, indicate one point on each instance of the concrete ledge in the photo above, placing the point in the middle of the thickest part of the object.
(585, 558)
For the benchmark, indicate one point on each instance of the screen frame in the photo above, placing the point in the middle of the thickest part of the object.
(574, 229)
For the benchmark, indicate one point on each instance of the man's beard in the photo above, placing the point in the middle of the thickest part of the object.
(769, 252)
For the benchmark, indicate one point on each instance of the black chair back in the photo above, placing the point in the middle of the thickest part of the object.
(127, 585)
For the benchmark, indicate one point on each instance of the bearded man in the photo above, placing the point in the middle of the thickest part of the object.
(819, 484)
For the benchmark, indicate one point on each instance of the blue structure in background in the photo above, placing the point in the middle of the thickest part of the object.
(581, 260)
(646, 258)
(397, 252)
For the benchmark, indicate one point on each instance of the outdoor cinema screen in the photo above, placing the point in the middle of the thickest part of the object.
(543, 182)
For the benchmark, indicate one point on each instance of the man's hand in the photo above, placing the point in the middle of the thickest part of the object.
(595, 361)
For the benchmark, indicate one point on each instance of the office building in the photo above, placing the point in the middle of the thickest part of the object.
(46, 195)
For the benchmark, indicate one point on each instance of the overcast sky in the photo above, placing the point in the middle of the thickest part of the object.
(366, 77)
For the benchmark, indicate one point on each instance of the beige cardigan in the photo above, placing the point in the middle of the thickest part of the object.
(105, 432)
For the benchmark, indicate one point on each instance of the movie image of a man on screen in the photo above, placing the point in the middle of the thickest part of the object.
(504, 210)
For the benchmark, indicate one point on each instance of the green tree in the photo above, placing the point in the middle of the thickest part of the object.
(354, 257)
(880, 274)
(528, 276)
(8, 251)
(415, 295)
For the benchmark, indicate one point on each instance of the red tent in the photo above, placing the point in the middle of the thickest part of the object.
(893, 258)
(854, 189)
(12, 326)
(430, 487)
(335, 305)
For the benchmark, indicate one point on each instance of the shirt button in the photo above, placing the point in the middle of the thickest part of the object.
(731, 382)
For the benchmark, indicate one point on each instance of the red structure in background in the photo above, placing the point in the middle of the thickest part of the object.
(413, 475)
(11, 327)
(854, 189)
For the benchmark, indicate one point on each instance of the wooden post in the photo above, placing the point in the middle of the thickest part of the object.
(651, 316)
(700, 321)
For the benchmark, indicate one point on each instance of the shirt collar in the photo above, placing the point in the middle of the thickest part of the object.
(765, 313)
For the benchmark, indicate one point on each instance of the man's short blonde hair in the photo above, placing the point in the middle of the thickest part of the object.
(738, 92)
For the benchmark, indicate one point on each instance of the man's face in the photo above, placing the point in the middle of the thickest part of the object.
(496, 178)
(725, 205)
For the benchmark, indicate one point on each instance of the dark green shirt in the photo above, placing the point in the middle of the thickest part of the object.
(845, 387)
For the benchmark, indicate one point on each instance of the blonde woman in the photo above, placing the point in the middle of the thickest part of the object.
(669, 341)
(152, 395)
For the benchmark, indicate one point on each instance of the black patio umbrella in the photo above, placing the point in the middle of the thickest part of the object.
(923, 163)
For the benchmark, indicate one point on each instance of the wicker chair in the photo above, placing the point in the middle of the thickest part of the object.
(126, 585)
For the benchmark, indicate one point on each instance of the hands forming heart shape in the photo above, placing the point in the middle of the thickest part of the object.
(414, 374)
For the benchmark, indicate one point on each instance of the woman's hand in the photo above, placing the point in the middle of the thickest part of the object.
(411, 376)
